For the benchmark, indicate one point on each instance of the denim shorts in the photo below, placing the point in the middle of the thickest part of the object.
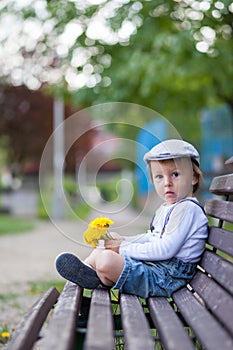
(154, 278)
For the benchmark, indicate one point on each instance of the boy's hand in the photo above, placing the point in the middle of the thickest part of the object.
(113, 244)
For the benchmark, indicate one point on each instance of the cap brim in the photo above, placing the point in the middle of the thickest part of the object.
(167, 156)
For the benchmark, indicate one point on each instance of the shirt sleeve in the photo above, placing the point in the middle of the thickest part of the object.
(140, 238)
(177, 231)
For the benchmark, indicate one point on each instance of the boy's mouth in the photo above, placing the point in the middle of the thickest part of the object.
(169, 193)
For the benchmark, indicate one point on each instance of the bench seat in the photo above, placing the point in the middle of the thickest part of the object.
(198, 316)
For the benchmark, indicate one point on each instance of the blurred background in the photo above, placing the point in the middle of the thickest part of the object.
(86, 88)
(58, 58)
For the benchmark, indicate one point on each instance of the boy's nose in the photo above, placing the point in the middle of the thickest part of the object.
(167, 181)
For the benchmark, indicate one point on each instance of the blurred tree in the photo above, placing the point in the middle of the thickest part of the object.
(174, 56)
(4, 151)
(26, 123)
(21, 112)
(178, 62)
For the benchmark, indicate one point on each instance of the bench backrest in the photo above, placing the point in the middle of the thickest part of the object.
(205, 307)
(214, 282)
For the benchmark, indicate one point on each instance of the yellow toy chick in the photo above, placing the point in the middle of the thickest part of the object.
(97, 230)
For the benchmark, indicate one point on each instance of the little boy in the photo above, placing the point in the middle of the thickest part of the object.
(164, 259)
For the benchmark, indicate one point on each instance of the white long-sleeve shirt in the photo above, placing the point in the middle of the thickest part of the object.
(184, 236)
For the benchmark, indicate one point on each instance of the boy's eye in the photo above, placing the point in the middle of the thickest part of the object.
(175, 174)
(158, 177)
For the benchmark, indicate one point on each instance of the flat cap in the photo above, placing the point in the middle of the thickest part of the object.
(173, 148)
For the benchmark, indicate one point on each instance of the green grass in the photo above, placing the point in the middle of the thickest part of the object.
(10, 224)
(13, 301)
(228, 226)
(8, 296)
(40, 287)
(34, 287)
(80, 211)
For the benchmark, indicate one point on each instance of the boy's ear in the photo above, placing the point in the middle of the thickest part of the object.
(194, 179)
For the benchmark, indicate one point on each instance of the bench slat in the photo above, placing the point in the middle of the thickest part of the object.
(220, 269)
(167, 323)
(61, 328)
(135, 325)
(100, 322)
(229, 163)
(219, 301)
(209, 333)
(219, 209)
(222, 185)
(28, 330)
(221, 239)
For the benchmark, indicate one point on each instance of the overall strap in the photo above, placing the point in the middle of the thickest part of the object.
(170, 211)
(151, 224)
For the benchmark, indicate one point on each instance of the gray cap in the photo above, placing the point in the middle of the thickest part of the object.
(170, 149)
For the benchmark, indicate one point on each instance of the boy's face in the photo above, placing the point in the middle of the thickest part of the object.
(173, 179)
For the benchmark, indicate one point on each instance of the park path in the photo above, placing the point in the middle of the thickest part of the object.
(28, 257)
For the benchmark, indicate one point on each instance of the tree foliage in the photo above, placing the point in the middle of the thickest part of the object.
(174, 56)
(162, 67)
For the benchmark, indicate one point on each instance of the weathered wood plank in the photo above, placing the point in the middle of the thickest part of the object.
(28, 330)
(137, 334)
(170, 328)
(222, 185)
(220, 269)
(61, 329)
(229, 164)
(209, 333)
(100, 322)
(221, 239)
(229, 161)
(219, 209)
(217, 299)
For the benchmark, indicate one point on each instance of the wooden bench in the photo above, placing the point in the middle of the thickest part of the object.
(199, 316)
